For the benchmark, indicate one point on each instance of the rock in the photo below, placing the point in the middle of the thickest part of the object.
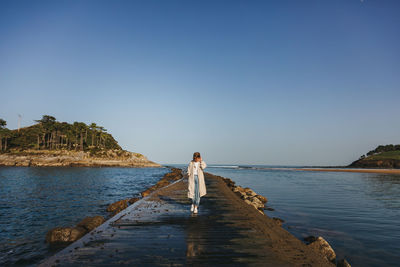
(262, 198)
(250, 191)
(228, 182)
(343, 263)
(71, 234)
(279, 221)
(146, 192)
(133, 200)
(118, 206)
(257, 203)
(238, 189)
(310, 239)
(65, 234)
(248, 202)
(89, 223)
(174, 175)
(76, 233)
(58, 234)
(321, 245)
(161, 183)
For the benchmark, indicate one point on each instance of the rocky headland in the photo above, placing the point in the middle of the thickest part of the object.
(49, 142)
(387, 157)
(68, 158)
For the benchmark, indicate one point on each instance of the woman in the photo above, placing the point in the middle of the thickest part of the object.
(196, 185)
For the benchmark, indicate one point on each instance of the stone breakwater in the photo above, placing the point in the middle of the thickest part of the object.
(258, 202)
(69, 234)
(66, 158)
(241, 207)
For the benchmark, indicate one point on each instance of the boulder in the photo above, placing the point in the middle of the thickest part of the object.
(248, 202)
(343, 263)
(310, 239)
(258, 204)
(161, 183)
(118, 206)
(133, 200)
(262, 198)
(76, 233)
(146, 192)
(89, 223)
(174, 175)
(250, 191)
(65, 234)
(228, 182)
(321, 245)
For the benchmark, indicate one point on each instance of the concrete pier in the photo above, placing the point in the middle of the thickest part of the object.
(160, 230)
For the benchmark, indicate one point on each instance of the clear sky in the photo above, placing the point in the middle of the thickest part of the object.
(243, 82)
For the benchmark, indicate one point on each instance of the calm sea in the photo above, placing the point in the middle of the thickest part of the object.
(357, 213)
(34, 200)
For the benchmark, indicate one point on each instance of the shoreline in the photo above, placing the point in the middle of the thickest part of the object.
(167, 206)
(385, 171)
(65, 158)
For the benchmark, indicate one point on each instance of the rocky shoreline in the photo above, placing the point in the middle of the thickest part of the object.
(67, 158)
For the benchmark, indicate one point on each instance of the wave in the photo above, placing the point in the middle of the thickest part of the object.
(250, 167)
(226, 166)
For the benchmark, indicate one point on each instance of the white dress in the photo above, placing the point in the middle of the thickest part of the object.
(196, 167)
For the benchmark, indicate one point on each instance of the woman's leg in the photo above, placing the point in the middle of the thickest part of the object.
(196, 191)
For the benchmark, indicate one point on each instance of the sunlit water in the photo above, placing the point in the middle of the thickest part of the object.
(357, 213)
(34, 200)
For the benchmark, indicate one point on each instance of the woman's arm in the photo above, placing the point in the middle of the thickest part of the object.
(188, 169)
(203, 165)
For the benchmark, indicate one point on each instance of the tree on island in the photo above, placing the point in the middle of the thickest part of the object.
(385, 148)
(4, 133)
(50, 134)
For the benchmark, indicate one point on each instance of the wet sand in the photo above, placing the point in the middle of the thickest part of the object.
(389, 171)
(160, 230)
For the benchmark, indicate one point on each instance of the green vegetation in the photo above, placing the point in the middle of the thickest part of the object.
(381, 149)
(386, 155)
(383, 152)
(49, 134)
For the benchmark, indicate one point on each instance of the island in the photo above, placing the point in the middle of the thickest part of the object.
(49, 142)
(383, 159)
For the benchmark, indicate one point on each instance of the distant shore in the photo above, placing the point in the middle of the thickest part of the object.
(388, 171)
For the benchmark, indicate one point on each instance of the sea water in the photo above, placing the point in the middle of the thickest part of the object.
(35, 199)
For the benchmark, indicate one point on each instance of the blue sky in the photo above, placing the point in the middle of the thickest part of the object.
(243, 82)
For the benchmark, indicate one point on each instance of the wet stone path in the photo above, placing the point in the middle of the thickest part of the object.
(160, 230)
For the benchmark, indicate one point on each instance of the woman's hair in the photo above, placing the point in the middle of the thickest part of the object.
(196, 155)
